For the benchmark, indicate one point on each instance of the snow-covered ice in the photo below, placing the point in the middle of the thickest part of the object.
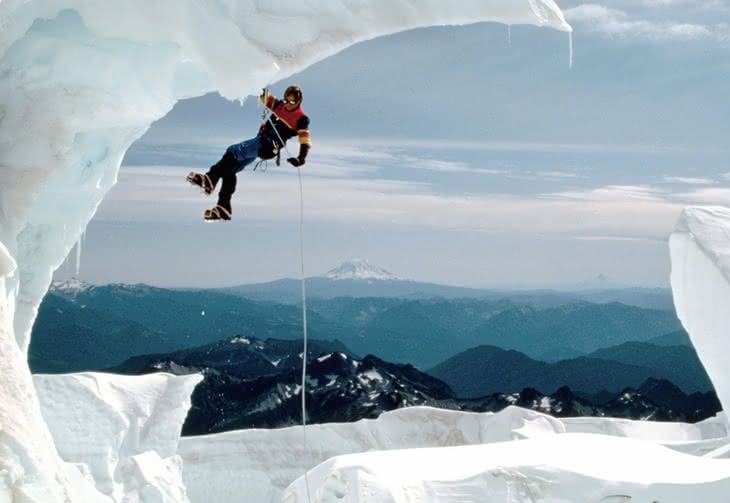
(262, 463)
(124, 429)
(700, 252)
(557, 468)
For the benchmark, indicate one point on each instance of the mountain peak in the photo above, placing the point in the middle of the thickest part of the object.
(359, 269)
(70, 286)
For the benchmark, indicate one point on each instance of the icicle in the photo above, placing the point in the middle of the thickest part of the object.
(64, 265)
(78, 256)
(509, 36)
(78, 253)
(570, 50)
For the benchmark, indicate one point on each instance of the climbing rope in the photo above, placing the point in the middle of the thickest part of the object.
(304, 323)
(304, 293)
(265, 114)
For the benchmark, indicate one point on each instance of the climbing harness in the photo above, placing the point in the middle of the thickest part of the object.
(263, 164)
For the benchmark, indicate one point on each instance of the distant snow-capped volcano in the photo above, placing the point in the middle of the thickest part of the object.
(359, 269)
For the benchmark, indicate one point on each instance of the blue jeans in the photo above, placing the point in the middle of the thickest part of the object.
(236, 158)
(244, 153)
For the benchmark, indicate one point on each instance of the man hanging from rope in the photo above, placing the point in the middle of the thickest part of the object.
(287, 120)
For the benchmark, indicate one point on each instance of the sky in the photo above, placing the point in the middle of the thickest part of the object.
(471, 156)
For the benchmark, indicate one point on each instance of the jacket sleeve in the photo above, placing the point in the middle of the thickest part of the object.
(303, 131)
(269, 100)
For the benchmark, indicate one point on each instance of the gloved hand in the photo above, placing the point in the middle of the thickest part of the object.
(299, 161)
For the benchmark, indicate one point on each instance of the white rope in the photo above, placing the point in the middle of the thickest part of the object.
(304, 305)
(304, 326)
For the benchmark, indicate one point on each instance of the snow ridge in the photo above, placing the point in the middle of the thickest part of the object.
(70, 287)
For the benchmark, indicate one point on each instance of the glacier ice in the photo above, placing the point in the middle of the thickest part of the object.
(700, 279)
(262, 463)
(558, 468)
(124, 429)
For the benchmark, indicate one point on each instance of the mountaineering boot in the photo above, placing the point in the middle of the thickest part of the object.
(203, 181)
(220, 212)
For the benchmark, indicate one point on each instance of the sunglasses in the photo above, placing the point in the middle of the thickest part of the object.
(291, 102)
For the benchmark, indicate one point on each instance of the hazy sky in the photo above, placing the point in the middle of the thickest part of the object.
(460, 155)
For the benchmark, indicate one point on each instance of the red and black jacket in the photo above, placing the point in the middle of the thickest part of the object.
(287, 124)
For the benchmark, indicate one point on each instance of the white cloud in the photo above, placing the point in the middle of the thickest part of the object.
(559, 174)
(548, 176)
(161, 194)
(347, 186)
(674, 3)
(707, 5)
(624, 193)
(350, 150)
(353, 159)
(618, 23)
(507, 146)
(617, 238)
(683, 8)
(707, 196)
(688, 180)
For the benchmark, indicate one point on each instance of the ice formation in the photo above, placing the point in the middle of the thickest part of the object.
(558, 468)
(700, 252)
(124, 429)
(262, 463)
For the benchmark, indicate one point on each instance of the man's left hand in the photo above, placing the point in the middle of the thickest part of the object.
(295, 162)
